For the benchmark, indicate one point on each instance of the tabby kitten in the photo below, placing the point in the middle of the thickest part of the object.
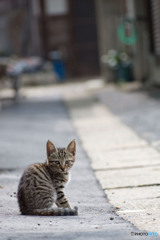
(42, 184)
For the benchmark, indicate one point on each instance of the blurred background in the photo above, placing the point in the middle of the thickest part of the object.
(66, 40)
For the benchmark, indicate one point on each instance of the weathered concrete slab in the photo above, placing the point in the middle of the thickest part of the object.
(141, 203)
(98, 129)
(120, 159)
(122, 178)
(135, 198)
(125, 158)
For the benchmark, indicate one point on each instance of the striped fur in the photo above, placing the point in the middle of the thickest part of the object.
(42, 184)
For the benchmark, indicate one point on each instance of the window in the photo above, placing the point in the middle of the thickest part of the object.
(56, 7)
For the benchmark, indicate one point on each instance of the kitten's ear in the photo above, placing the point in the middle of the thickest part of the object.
(50, 148)
(72, 147)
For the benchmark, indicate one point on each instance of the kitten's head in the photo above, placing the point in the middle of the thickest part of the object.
(61, 159)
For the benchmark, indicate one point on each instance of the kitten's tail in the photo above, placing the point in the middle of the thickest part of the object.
(54, 212)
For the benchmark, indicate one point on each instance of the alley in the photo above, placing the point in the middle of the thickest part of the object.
(24, 129)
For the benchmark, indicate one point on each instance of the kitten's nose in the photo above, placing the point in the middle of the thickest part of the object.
(62, 167)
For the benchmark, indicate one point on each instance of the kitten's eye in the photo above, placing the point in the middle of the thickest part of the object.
(67, 162)
(57, 162)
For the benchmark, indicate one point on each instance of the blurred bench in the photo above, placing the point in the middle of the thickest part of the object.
(13, 79)
(12, 70)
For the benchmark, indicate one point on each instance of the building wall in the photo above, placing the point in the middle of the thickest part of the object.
(109, 16)
(141, 51)
(154, 57)
(4, 38)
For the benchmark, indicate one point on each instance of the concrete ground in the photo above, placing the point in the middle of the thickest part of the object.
(124, 133)
(138, 169)
(43, 114)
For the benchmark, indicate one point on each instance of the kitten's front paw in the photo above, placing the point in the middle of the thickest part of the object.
(76, 210)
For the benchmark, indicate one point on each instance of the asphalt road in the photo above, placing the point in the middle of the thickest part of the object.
(24, 129)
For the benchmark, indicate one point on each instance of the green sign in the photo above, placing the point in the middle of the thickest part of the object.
(127, 32)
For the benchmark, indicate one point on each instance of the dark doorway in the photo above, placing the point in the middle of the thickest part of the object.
(84, 34)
